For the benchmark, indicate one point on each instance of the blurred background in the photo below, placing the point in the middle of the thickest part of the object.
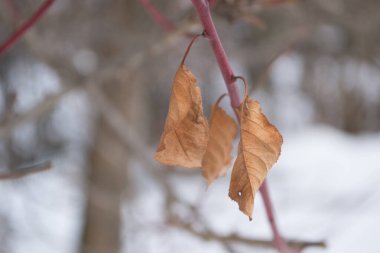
(87, 90)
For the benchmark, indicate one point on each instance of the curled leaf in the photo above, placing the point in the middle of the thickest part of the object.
(259, 148)
(184, 139)
(218, 153)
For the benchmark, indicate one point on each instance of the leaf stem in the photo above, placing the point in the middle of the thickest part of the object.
(195, 37)
(26, 26)
(203, 9)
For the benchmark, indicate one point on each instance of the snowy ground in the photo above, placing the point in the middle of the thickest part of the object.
(325, 186)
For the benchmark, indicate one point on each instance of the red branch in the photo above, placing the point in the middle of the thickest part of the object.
(26, 26)
(203, 9)
(160, 19)
(278, 240)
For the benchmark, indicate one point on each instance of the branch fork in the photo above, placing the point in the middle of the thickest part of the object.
(203, 9)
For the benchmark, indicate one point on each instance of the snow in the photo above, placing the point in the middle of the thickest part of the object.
(32, 81)
(324, 187)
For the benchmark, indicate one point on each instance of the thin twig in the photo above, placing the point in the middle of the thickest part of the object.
(208, 235)
(157, 16)
(22, 172)
(26, 26)
(32, 114)
(189, 47)
(278, 240)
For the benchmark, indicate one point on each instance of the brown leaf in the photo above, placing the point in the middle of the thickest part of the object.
(185, 135)
(218, 153)
(259, 148)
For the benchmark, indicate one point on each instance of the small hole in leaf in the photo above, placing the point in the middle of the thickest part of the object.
(239, 194)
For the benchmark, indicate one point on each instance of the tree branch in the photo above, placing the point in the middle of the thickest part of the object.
(204, 13)
(22, 172)
(208, 235)
(278, 240)
(6, 127)
(26, 26)
(157, 16)
(203, 9)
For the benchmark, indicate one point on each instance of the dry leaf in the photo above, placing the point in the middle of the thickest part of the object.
(185, 135)
(218, 153)
(259, 148)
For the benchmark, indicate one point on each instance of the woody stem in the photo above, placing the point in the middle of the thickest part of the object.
(160, 19)
(203, 9)
(25, 27)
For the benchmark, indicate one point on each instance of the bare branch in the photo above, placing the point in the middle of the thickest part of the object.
(26, 26)
(22, 172)
(33, 114)
(208, 235)
(157, 16)
(204, 13)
